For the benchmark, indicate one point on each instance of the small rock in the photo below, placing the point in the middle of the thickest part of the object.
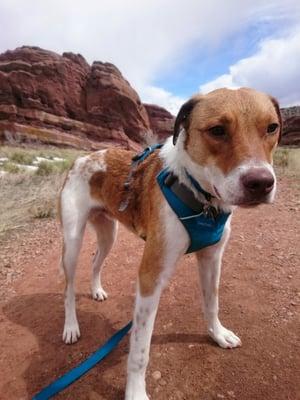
(94, 396)
(231, 393)
(220, 396)
(162, 382)
(156, 375)
(179, 395)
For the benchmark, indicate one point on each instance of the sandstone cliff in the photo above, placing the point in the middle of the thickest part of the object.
(62, 100)
(291, 126)
(161, 121)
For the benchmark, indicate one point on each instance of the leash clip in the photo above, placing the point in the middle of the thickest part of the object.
(210, 212)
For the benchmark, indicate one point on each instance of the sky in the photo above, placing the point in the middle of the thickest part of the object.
(170, 49)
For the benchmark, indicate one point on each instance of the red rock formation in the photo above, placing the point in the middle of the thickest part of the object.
(291, 126)
(62, 100)
(161, 121)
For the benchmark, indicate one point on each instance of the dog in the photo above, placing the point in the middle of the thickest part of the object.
(223, 141)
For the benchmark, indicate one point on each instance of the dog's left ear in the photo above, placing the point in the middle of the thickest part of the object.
(182, 117)
(277, 108)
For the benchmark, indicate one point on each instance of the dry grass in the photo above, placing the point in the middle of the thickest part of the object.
(26, 155)
(287, 161)
(25, 196)
(11, 168)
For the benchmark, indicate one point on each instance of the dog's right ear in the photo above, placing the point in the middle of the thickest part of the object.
(182, 117)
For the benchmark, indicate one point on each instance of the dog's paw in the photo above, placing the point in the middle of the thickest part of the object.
(71, 333)
(99, 294)
(225, 338)
(135, 388)
(133, 395)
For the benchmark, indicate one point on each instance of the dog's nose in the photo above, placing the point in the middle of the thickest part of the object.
(258, 181)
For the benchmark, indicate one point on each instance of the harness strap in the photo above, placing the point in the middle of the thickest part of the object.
(136, 160)
(183, 193)
(196, 185)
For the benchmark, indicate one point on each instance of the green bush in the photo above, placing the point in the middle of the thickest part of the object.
(45, 168)
(22, 157)
(11, 168)
(51, 167)
(281, 157)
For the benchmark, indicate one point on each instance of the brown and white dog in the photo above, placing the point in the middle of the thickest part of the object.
(225, 140)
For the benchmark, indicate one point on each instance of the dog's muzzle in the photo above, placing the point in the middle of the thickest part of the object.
(257, 184)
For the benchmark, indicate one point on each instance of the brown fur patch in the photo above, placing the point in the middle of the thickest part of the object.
(142, 214)
(245, 114)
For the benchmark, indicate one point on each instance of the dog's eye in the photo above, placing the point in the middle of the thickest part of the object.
(217, 131)
(272, 128)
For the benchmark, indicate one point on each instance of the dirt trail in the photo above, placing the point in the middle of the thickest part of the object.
(260, 298)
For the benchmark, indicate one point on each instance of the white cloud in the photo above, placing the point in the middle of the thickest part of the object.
(273, 69)
(156, 95)
(143, 38)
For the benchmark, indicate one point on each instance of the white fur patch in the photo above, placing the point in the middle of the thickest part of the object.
(230, 186)
(177, 160)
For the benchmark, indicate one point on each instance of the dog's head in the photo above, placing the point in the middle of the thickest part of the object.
(232, 135)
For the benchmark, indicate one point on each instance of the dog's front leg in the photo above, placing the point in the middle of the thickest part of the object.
(144, 317)
(209, 260)
(159, 259)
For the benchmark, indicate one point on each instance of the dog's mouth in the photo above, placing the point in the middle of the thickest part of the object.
(247, 202)
(244, 200)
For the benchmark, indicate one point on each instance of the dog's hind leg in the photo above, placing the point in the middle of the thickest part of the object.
(106, 230)
(75, 206)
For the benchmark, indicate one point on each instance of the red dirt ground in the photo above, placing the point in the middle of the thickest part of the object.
(259, 293)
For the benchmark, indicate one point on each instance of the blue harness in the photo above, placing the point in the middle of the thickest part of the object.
(205, 225)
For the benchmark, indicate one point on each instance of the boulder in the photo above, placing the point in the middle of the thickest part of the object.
(161, 121)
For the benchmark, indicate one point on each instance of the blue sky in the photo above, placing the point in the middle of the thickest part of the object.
(202, 63)
(170, 49)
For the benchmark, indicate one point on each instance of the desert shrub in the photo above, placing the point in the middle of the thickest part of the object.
(22, 157)
(11, 168)
(53, 167)
(281, 157)
(62, 166)
(45, 168)
(45, 210)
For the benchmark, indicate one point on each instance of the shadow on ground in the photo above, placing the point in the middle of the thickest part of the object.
(42, 315)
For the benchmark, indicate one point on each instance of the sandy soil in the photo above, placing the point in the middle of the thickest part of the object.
(260, 298)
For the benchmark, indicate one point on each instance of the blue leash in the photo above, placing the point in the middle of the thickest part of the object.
(75, 373)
